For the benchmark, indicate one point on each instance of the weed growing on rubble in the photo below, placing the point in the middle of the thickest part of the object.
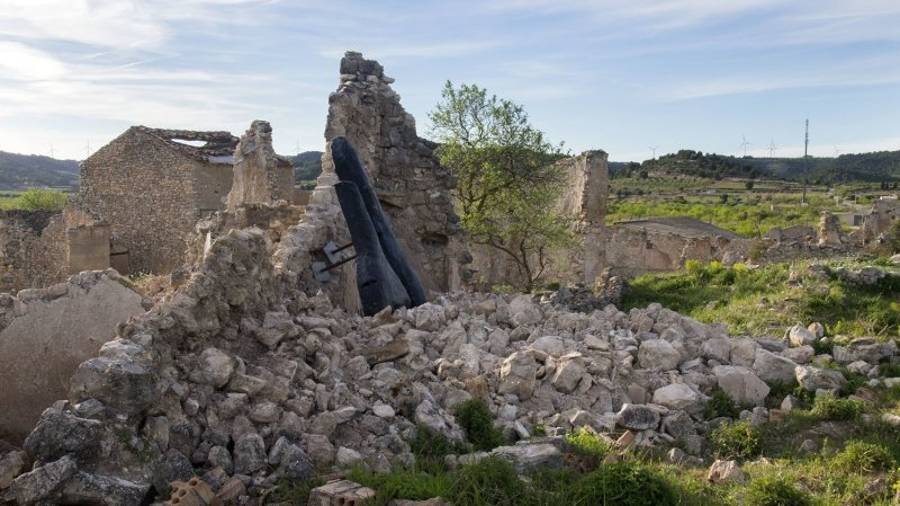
(737, 440)
(477, 421)
(720, 404)
(775, 491)
(829, 407)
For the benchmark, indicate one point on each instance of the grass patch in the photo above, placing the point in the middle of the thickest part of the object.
(828, 407)
(761, 301)
(293, 491)
(860, 456)
(775, 491)
(738, 440)
(477, 421)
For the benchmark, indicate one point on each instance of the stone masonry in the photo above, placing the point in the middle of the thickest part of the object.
(151, 189)
(260, 176)
(413, 187)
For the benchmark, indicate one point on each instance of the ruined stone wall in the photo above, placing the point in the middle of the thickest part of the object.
(632, 250)
(88, 248)
(46, 333)
(32, 249)
(260, 176)
(144, 190)
(413, 187)
(212, 182)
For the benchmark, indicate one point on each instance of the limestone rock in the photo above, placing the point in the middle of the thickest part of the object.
(518, 375)
(813, 378)
(741, 384)
(726, 471)
(249, 454)
(772, 367)
(11, 464)
(215, 368)
(43, 482)
(569, 372)
(122, 384)
(800, 336)
(678, 396)
(528, 456)
(637, 417)
(88, 488)
(658, 354)
(60, 433)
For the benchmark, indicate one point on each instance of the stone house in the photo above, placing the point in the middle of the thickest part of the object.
(151, 186)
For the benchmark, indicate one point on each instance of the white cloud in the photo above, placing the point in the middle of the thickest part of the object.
(21, 62)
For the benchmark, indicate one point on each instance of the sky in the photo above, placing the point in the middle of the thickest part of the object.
(625, 76)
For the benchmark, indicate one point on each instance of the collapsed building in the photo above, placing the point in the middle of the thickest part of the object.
(258, 368)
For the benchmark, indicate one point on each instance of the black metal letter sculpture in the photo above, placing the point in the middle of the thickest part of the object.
(381, 259)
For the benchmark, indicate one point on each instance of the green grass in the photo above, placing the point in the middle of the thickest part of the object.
(737, 440)
(749, 214)
(760, 301)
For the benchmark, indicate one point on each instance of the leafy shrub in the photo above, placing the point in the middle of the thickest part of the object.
(587, 442)
(829, 407)
(477, 421)
(775, 491)
(738, 440)
(625, 484)
(859, 456)
(36, 199)
(720, 404)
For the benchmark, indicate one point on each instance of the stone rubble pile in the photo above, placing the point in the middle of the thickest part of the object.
(241, 378)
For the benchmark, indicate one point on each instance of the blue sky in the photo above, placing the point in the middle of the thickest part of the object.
(618, 75)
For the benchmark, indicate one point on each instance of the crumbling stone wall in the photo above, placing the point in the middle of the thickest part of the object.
(32, 249)
(879, 220)
(260, 176)
(413, 187)
(152, 189)
(665, 244)
(46, 333)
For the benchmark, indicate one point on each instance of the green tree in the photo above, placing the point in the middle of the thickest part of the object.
(507, 184)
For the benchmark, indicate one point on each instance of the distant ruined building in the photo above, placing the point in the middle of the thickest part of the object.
(152, 186)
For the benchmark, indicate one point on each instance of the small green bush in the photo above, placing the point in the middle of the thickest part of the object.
(859, 456)
(624, 484)
(738, 440)
(35, 199)
(477, 421)
(775, 491)
(586, 442)
(829, 407)
(720, 404)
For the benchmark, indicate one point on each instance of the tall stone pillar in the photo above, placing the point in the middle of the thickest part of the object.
(594, 173)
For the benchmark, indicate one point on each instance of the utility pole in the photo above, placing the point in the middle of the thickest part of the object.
(805, 161)
(653, 151)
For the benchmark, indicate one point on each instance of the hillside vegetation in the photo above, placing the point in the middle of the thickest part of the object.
(27, 171)
(882, 166)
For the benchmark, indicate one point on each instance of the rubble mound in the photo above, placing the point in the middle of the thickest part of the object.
(242, 377)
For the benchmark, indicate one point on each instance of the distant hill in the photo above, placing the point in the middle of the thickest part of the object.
(307, 165)
(18, 172)
(882, 166)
